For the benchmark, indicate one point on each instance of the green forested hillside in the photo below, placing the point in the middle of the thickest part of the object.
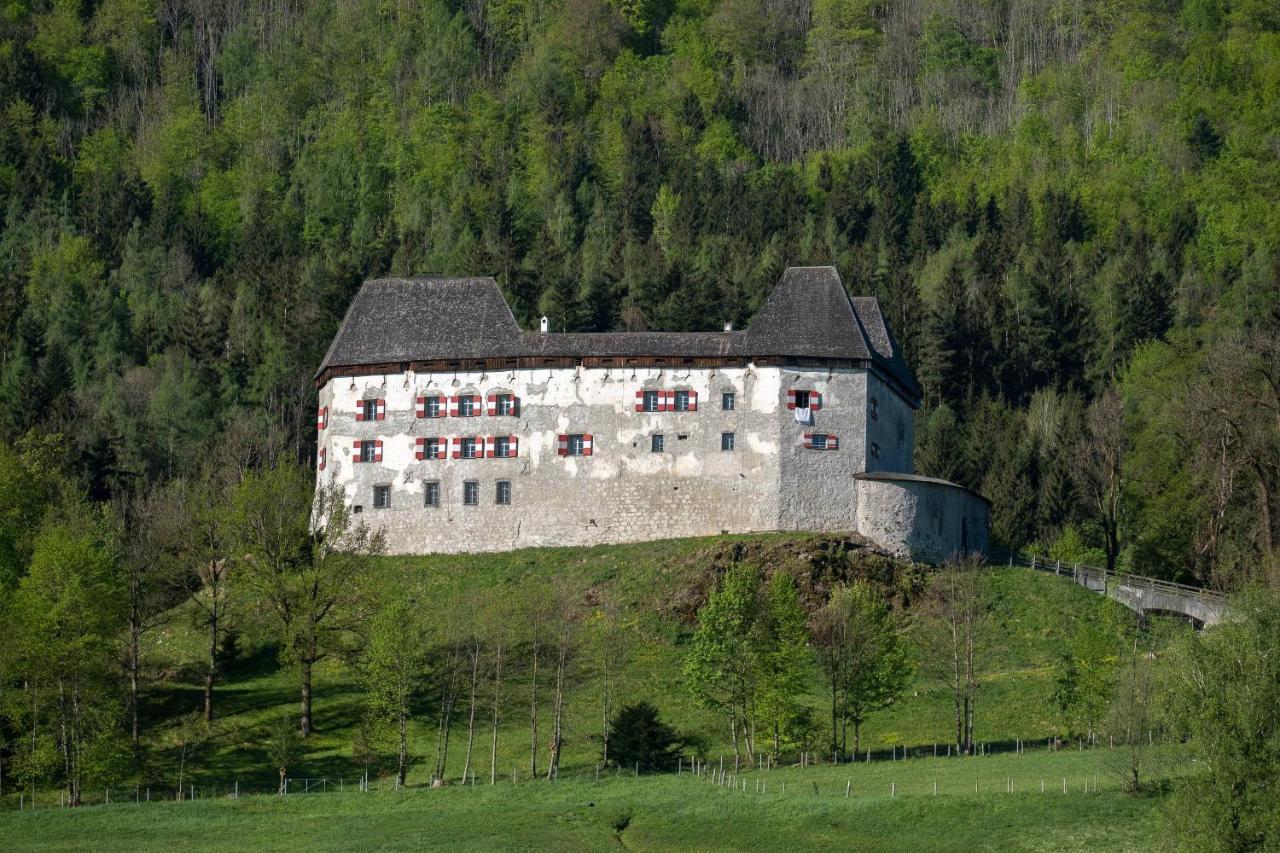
(1053, 198)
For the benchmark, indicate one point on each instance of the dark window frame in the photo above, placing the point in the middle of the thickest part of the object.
(728, 401)
(431, 493)
(470, 492)
(652, 401)
(728, 442)
(502, 493)
(382, 497)
(657, 443)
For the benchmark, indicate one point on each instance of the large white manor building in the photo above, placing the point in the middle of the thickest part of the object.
(454, 430)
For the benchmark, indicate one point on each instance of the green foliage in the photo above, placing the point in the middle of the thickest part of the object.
(1225, 692)
(639, 738)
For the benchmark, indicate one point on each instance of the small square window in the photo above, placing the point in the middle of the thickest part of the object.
(369, 410)
(434, 407)
(470, 448)
(682, 401)
(431, 493)
(503, 495)
(471, 492)
(819, 442)
(727, 401)
(802, 399)
(381, 497)
(357, 508)
(434, 448)
(368, 451)
(656, 442)
(467, 407)
(726, 441)
(576, 445)
(652, 401)
(506, 404)
(502, 446)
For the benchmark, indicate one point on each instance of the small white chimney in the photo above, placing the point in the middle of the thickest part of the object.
(728, 325)
(545, 324)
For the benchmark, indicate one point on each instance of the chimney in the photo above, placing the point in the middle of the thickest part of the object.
(728, 325)
(544, 325)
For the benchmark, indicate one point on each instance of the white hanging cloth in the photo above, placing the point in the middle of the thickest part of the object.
(804, 416)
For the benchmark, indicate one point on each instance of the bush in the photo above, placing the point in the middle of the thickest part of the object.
(638, 736)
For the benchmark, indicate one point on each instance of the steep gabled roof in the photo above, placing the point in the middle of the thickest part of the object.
(413, 319)
(807, 316)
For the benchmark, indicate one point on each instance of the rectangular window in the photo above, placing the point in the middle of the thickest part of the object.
(573, 445)
(726, 441)
(818, 442)
(802, 399)
(431, 493)
(502, 447)
(576, 445)
(682, 401)
(368, 451)
(435, 407)
(468, 406)
(503, 495)
(369, 410)
(471, 492)
(656, 443)
(435, 448)
(821, 441)
(652, 401)
(381, 497)
(506, 405)
(727, 401)
(470, 447)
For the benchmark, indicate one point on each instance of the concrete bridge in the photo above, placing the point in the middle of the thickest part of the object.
(1140, 594)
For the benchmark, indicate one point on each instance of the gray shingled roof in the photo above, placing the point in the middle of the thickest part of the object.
(808, 315)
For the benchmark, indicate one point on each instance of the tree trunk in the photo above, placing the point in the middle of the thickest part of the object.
(402, 763)
(212, 672)
(471, 718)
(533, 718)
(857, 734)
(135, 654)
(497, 693)
(557, 730)
(307, 727)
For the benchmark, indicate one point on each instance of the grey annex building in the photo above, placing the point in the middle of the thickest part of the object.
(453, 429)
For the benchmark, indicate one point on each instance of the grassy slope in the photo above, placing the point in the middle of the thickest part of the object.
(800, 809)
(658, 585)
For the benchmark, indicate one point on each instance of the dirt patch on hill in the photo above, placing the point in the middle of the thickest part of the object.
(817, 562)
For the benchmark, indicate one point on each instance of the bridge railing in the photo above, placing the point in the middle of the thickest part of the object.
(1097, 577)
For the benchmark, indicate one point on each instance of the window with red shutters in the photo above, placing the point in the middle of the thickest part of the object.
(321, 458)
(504, 446)
(419, 449)
(815, 401)
(562, 445)
(322, 418)
(368, 451)
(456, 443)
(469, 406)
(821, 441)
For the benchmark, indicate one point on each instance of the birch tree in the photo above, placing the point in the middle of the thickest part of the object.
(959, 609)
(394, 668)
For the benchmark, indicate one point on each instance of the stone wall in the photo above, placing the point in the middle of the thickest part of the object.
(919, 517)
(623, 492)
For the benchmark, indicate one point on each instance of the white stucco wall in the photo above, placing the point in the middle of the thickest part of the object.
(921, 518)
(623, 492)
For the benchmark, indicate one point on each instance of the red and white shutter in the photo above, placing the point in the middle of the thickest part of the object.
(457, 447)
(419, 449)
(833, 442)
(355, 456)
(562, 445)
(640, 400)
(791, 400)
(664, 401)
(586, 445)
(420, 407)
(808, 440)
(360, 410)
(815, 400)
(492, 404)
(453, 406)
(693, 401)
(489, 444)
(513, 447)
(381, 409)
(322, 417)
(323, 453)
(515, 406)
(377, 451)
